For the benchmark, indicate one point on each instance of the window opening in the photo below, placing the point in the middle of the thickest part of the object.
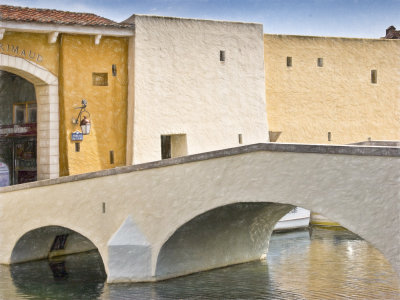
(222, 55)
(100, 79)
(289, 61)
(165, 146)
(374, 76)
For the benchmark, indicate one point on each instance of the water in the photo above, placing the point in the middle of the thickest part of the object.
(320, 264)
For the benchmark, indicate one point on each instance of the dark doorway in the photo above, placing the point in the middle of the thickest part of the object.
(18, 137)
(165, 146)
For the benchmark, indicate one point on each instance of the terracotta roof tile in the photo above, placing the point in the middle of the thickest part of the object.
(52, 16)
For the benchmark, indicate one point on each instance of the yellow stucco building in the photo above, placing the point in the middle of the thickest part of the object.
(329, 90)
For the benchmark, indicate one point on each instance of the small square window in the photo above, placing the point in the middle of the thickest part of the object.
(374, 76)
(288, 61)
(100, 79)
(320, 62)
(19, 113)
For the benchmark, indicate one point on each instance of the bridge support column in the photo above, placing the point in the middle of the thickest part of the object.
(129, 255)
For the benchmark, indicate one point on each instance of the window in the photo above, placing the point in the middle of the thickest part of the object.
(289, 61)
(374, 76)
(320, 62)
(100, 79)
(24, 113)
(222, 55)
(240, 138)
(174, 145)
(165, 146)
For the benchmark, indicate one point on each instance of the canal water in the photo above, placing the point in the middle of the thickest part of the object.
(312, 264)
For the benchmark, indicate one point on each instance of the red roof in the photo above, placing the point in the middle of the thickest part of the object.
(52, 16)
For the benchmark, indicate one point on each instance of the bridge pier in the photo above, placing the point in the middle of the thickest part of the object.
(223, 236)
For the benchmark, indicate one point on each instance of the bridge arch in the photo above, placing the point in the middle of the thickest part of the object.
(225, 235)
(48, 242)
(46, 88)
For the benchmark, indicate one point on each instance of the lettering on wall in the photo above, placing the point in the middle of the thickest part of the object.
(21, 52)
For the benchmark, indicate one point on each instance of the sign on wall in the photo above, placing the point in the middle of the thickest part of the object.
(77, 136)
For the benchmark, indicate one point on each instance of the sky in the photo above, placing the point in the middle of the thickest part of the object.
(346, 18)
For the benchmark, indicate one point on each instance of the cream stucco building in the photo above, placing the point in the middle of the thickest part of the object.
(331, 90)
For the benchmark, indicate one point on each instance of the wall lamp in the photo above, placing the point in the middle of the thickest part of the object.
(82, 119)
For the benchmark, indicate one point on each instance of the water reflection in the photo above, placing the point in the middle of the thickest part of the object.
(79, 276)
(333, 264)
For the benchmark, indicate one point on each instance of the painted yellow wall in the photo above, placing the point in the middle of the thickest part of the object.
(305, 101)
(80, 57)
(33, 47)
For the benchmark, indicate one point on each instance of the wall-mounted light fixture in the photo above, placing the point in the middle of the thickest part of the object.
(82, 119)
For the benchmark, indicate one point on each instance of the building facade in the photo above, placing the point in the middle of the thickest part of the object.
(155, 87)
(328, 90)
(161, 87)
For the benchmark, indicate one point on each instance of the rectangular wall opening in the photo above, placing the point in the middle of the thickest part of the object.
(222, 55)
(288, 61)
(374, 76)
(174, 145)
(320, 62)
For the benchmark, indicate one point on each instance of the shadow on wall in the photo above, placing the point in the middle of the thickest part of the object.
(226, 235)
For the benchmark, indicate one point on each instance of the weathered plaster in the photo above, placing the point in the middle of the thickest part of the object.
(355, 186)
(107, 104)
(182, 87)
(305, 101)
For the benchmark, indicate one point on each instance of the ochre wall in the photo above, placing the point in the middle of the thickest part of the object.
(305, 101)
(33, 47)
(80, 57)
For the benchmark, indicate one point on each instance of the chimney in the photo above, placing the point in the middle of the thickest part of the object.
(390, 29)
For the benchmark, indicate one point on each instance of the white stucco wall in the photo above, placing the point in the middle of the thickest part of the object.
(182, 87)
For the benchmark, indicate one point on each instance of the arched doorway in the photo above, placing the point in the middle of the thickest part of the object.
(47, 117)
(18, 129)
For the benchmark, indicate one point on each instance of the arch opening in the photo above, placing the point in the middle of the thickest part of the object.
(223, 236)
(50, 254)
(49, 242)
(18, 129)
(44, 85)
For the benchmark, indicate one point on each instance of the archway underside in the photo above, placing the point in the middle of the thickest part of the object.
(224, 236)
(47, 242)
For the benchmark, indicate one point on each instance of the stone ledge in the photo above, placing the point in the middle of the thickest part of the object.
(270, 147)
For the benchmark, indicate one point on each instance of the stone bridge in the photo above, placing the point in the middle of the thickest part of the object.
(178, 216)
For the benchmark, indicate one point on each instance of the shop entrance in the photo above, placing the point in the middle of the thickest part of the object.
(18, 138)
